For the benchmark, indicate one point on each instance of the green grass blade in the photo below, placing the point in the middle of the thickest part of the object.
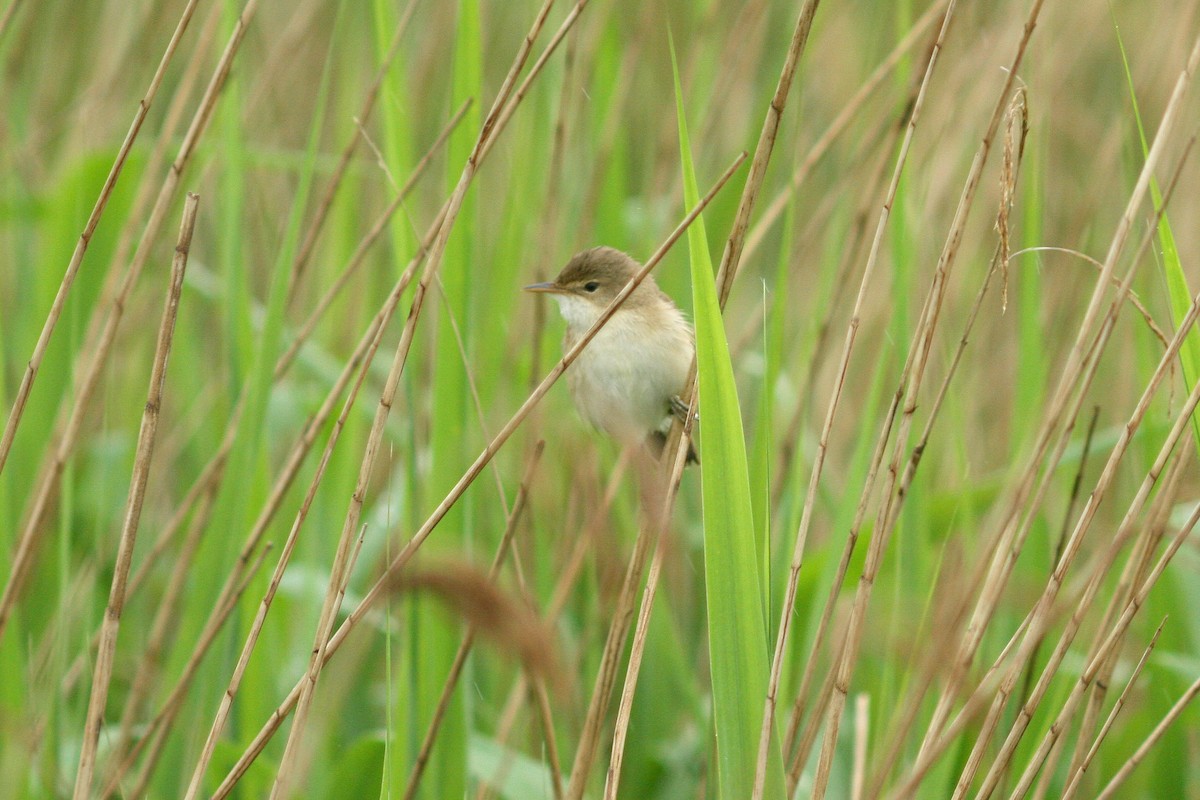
(1178, 293)
(737, 636)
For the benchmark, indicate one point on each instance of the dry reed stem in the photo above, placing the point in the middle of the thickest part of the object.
(1134, 299)
(1012, 532)
(464, 647)
(1025, 713)
(205, 485)
(558, 601)
(538, 694)
(862, 720)
(1096, 662)
(843, 367)
(974, 704)
(950, 602)
(362, 356)
(1064, 531)
(1038, 615)
(31, 534)
(1154, 736)
(678, 444)
(85, 238)
(286, 780)
(637, 650)
(899, 733)
(358, 257)
(212, 472)
(912, 377)
(727, 271)
(163, 721)
(1078, 771)
(160, 725)
(399, 561)
(928, 752)
(106, 653)
(800, 704)
(284, 558)
(1074, 543)
(166, 621)
(731, 257)
(774, 210)
(339, 171)
(1144, 543)
(1139, 561)
(806, 516)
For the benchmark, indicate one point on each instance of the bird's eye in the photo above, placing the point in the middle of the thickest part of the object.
(591, 286)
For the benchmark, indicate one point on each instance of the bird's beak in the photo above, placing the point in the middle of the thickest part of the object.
(549, 288)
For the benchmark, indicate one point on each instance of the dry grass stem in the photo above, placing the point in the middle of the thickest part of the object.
(1079, 771)
(286, 778)
(85, 238)
(31, 534)
(102, 674)
(335, 181)
(468, 640)
(1079, 367)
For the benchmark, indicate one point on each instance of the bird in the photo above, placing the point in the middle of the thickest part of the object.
(626, 382)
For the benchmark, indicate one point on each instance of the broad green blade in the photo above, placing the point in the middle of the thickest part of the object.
(737, 636)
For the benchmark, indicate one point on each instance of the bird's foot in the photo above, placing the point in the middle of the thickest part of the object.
(680, 410)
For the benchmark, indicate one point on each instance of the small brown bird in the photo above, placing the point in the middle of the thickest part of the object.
(627, 381)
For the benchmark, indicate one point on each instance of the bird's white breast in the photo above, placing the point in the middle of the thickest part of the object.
(624, 379)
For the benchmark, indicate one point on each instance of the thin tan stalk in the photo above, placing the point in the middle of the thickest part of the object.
(277, 576)
(558, 601)
(402, 558)
(539, 695)
(1012, 530)
(464, 647)
(1140, 754)
(1074, 544)
(102, 675)
(1025, 713)
(933, 745)
(862, 721)
(678, 445)
(362, 356)
(1078, 772)
(175, 703)
(944, 650)
(287, 778)
(358, 257)
(335, 181)
(731, 257)
(918, 353)
(974, 704)
(166, 620)
(1149, 530)
(85, 238)
(774, 210)
(31, 534)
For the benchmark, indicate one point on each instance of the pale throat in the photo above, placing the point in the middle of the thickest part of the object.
(578, 313)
